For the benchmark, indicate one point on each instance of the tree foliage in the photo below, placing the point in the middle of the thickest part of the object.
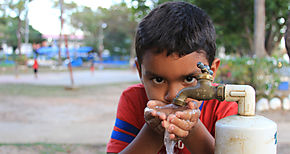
(116, 23)
(234, 21)
(9, 27)
(119, 35)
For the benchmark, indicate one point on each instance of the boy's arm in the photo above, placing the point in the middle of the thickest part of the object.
(200, 140)
(150, 137)
(147, 141)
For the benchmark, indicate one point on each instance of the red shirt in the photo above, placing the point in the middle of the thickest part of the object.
(130, 118)
(35, 64)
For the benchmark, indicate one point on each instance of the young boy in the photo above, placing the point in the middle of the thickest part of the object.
(170, 41)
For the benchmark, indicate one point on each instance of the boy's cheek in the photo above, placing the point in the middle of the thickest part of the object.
(154, 93)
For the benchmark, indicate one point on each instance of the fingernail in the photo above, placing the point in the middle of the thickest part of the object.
(171, 128)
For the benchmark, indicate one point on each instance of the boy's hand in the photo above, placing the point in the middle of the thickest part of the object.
(153, 117)
(180, 123)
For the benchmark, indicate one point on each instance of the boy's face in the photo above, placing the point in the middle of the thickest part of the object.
(164, 76)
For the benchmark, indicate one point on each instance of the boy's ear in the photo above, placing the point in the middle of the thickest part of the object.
(138, 68)
(215, 65)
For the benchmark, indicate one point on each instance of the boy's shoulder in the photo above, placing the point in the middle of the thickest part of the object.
(134, 89)
(135, 86)
(135, 92)
(219, 109)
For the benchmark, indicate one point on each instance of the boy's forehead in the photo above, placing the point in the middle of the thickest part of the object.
(162, 63)
(151, 54)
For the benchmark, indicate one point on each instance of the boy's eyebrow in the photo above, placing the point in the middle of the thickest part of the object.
(194, 73)
(148, 73)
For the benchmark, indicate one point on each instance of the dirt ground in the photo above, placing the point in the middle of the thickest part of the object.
(50, 119)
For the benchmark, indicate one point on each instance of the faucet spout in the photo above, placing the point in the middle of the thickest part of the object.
(203, 90)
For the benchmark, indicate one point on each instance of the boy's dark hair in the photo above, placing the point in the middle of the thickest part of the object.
(177, 27)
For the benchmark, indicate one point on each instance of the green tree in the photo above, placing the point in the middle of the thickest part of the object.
(287, 36)
(18, 7)
(117, 25)
(119, 36)
(8, 27)
(234, 22)
(276, 17)
(89, 22)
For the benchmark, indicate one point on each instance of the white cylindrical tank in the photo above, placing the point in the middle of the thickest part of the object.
(245, 135)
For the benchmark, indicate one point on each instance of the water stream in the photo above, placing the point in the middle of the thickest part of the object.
(169, 144)
(169, 109)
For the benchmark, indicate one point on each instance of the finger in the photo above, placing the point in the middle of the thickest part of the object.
(161, 115)
(165, 124)
(191, 115)
(154, 113)
(153, 103)
(172, 136)
(180, 123)
(173, 129)
(193, 104)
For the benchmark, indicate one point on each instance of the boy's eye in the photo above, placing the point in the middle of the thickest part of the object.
(158, 80)
(189, 79)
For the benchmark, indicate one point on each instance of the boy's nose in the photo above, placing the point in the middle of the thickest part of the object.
(172, 91)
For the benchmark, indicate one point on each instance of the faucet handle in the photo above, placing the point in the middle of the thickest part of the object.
(204, 68)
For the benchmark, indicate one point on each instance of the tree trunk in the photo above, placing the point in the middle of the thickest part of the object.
(101, 44)
(60, 34)
(18, 34)
(287, 35)
(259, 28)
(269, 41)
(250, 40)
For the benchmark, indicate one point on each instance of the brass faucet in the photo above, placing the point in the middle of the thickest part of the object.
(203, 90)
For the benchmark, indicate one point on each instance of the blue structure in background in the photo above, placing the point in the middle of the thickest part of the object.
(74, 53)
(77, 62)
(115, 60)
(77, 56)
(283, 86)
(7, 62)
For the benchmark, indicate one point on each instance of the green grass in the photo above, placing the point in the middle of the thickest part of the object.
(6, 65)
(53, 91)
(45, 148)
(9, 69)
(34, 90)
